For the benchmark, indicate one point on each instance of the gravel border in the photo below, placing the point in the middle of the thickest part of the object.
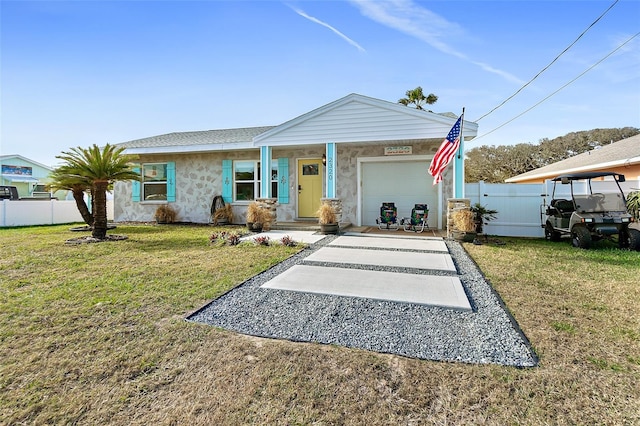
(486, 335)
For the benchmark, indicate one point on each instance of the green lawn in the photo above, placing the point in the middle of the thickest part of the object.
(95, 334)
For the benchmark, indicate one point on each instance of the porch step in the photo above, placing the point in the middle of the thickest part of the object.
(303, 226)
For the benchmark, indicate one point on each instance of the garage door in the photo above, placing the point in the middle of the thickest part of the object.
(404, 183)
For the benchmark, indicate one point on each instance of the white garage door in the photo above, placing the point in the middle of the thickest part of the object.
(404, 183)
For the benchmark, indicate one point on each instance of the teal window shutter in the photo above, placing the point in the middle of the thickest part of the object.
(227, 181)
(135, 187)
(171, 181)
(283, 180)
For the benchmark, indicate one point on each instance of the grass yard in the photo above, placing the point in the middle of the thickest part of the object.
(94, 334)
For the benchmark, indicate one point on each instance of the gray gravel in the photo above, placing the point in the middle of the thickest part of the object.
(487, 335)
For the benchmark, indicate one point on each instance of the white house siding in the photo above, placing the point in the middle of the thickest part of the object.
(360, 119)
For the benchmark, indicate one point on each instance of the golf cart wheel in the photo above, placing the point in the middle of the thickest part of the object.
(634, 239)
(551, 234)
(581, 237)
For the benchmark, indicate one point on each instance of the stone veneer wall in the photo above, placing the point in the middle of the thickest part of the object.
(198, 180)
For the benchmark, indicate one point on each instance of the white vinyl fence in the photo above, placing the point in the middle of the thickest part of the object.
(42, 212)
(519, 205)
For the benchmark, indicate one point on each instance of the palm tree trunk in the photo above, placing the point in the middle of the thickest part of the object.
(78, 196)
(100, 209)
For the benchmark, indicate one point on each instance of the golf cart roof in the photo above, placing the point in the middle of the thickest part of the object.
(588, 175)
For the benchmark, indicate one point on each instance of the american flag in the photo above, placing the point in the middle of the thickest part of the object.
(446, 152)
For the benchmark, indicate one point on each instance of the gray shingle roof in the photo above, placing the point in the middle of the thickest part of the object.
(204, 137)
(623, 151)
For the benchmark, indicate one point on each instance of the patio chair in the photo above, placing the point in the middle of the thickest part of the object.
(418, 220)
(388, 219)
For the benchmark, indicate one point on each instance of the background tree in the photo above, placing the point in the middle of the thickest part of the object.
(494, 164)
(100, 167)
(416, 97)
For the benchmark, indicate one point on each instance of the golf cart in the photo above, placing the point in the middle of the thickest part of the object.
(589, 216)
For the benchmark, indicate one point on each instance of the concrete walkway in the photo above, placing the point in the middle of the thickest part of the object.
(399, 269)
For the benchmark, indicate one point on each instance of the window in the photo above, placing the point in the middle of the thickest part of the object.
(246, 175)
(157, 182)
(154, 181)
(246, 178)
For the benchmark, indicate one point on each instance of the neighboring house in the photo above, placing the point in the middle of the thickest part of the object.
(357, 151)
(28, 176)
(621, 157)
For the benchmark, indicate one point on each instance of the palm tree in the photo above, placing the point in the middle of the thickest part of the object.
(417, 98)
(100, 167)
(67, 179)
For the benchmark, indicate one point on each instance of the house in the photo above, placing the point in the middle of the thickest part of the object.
(356, 152)
(28, 176)
(620, 157)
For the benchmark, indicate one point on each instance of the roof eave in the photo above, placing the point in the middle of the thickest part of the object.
(552, 174)
(189, 149)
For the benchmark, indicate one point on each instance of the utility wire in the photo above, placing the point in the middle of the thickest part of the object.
(551, 63)
(570, 82)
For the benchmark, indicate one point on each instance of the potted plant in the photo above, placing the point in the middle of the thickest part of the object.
(223, 215)
(481, 215)
(165, 214)
(464, 225)
(258, 217)
(327, 219)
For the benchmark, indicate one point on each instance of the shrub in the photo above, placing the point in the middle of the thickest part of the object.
(463, 220)
(326, 214)
(288, 241)
(225, 238)
(262, 240)
(223, 214)
(165, 214)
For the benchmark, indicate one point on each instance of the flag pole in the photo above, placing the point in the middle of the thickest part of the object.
(458, 164)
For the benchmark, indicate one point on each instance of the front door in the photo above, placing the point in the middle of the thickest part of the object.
(309, 187)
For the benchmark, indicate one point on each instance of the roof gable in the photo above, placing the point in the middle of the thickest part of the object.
(357, 118)
(7, 159)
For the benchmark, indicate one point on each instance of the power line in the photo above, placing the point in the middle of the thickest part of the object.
(550, 63)
(567, 84)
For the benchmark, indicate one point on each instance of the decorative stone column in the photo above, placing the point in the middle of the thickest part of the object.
(454, 205)
(269, 204)
(336, 203)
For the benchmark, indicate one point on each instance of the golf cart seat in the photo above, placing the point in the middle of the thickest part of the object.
(418, 220)
(388, 219)
(564, 207)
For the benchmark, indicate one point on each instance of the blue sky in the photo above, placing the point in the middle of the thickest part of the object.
(83, 72)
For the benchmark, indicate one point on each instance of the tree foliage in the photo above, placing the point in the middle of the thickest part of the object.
(417, 98)
(496, 163)
(97, 169)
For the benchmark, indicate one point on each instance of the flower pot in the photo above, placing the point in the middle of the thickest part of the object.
(329, 228)
(466, 237)
(254, 226)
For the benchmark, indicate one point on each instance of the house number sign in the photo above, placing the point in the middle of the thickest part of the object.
(398, 150)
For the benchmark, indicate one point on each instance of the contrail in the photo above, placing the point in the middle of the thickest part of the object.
(324, 24)
(412, 19)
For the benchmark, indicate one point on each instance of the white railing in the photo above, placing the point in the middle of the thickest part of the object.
(42, 212)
